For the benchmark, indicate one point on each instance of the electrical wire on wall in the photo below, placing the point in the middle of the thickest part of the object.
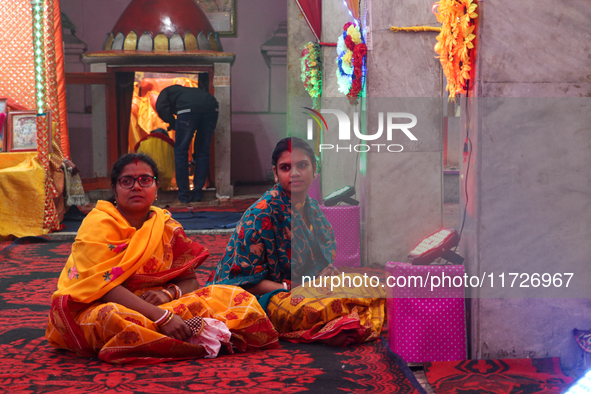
(467, 154)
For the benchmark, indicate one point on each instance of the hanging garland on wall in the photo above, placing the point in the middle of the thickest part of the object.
(311, 61)
(455, 41)
(351, 54)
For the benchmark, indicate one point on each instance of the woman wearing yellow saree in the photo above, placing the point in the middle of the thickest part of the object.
(128, 291)
(285, 233)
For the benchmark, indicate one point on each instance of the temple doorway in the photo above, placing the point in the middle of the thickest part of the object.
(144, 119)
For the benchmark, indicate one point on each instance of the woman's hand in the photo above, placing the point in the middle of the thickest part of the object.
(155, 297)
(330, 270)
(176, 328)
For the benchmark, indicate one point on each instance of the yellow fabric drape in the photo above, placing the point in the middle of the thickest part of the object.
(148, 119)
(134, 134)
(163, 154)
(144, 118)
(22, 183)
(187, 82)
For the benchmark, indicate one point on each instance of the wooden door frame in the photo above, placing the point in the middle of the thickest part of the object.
(174, 70)
(107, 79)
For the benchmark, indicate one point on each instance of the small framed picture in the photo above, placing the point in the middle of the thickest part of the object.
(3, 110)
(22, 131)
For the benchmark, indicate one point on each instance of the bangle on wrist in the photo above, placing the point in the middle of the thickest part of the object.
(168, 319)
(157, 322)
(168, 294)
(178, 293)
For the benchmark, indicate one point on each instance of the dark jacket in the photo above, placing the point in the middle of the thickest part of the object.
(176, 98)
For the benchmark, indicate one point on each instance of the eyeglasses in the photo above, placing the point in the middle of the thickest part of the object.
(127, 182)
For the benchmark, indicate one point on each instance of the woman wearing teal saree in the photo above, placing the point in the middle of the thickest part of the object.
(284, 236)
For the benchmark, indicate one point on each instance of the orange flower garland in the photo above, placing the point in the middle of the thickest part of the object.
(455, 41)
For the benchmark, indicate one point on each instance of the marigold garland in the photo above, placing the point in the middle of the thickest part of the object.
(312, 70)
(351, 52)
(455, 41)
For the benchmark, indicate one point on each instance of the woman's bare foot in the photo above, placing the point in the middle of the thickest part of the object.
(343, 338)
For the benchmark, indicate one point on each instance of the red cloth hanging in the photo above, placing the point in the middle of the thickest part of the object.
(312, 11)
(64, 141)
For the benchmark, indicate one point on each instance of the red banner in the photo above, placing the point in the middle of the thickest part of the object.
(312, 11)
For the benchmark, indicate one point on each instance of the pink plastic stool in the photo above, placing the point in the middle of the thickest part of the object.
(424, 324)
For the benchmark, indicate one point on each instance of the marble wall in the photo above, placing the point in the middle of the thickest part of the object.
(404, 191)
(528, 188)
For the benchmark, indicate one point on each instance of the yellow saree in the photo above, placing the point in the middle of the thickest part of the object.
(308, 314)
(108, 252)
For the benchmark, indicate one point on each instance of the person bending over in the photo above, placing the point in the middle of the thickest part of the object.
(195, 110)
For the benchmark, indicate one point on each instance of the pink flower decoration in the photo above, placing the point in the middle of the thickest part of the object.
(73, 273)
(116, 272)
(120, 248)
